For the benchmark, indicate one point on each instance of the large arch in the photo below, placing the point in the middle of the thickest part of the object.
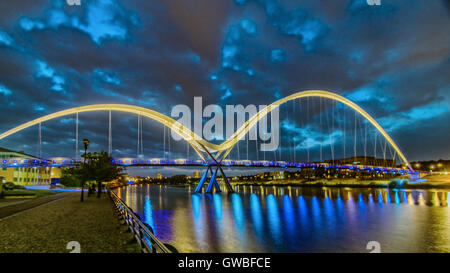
(196, 141)
(240, 133)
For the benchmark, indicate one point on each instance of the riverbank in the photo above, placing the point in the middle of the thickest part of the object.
(434, 181)
(428, 182)
(49, 227)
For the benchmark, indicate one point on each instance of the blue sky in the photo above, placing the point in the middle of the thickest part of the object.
(393, 60)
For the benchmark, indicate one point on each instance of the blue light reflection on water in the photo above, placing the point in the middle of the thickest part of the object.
(396, 198)
(303, 213)
(148, 214)
(273, 217)
(329, 213)
(289, 215)
(197, 216)
(280, 220)
(217, 198)
(256, 213)
(238, 211)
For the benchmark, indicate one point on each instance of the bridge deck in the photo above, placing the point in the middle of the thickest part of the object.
(63, 162)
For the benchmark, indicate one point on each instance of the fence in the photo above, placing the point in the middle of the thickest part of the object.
(141, 231)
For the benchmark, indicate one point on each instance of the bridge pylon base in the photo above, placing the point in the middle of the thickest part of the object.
(213, 184)
(213, 180)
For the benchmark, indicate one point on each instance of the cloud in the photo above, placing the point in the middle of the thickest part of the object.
(296, 23)
(5, 90)
(28, 24)
(308, 137)
(107, 77)
(38, 107)
(45, 71)
(101, 21)
(5, 38)
(277, 55)
(104, 20)
(248, 26)
(430, 112)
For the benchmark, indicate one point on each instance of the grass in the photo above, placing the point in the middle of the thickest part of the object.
(16, 195)
(19, 195)
(21, 192)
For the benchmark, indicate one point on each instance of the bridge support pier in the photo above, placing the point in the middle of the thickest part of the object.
(213, 180)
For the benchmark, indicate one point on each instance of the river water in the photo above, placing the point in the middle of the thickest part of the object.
(294, 219)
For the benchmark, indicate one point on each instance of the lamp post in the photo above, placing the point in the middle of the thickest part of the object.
(86, 145)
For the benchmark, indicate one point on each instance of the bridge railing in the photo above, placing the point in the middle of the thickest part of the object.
(142, 233)
(67, 162)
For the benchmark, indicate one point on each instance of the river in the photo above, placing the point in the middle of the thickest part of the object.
(294, 219)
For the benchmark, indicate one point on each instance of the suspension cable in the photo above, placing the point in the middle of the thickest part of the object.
(76, 136)
(109, 136)
(40, 141)
(164, 141)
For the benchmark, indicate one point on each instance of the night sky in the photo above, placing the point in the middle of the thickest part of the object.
(393, 60)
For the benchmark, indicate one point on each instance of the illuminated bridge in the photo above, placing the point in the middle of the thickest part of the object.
(213, 156)
(68, 162)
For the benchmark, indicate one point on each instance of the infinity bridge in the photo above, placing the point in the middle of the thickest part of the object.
(215, 152)
(68, 162)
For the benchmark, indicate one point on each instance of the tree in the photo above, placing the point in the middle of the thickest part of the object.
(1, 187)
(98, 168)
(102, 170)
(70, 177)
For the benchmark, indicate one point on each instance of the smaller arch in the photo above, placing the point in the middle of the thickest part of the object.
(166, 121)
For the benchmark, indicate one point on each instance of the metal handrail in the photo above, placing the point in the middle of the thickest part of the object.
(144, 236)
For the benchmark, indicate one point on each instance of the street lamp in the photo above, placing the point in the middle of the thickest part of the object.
(86, 145)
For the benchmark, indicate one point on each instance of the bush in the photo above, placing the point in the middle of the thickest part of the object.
(12, 186)
(70, 181)
(397, 183)
(68, 178)
(8, 186)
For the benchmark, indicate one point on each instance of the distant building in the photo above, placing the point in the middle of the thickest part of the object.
(277, 175)
(196, 175)
(364, 160)
(26, 175)
(159, 176)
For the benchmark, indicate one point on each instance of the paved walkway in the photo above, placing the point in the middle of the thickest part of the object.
(50, 226)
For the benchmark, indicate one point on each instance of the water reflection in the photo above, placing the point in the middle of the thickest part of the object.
(148, 214)
(273, 218)
(303, 212)
(289, 217)
(238, 211)
(293, 219)
(257, 217)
